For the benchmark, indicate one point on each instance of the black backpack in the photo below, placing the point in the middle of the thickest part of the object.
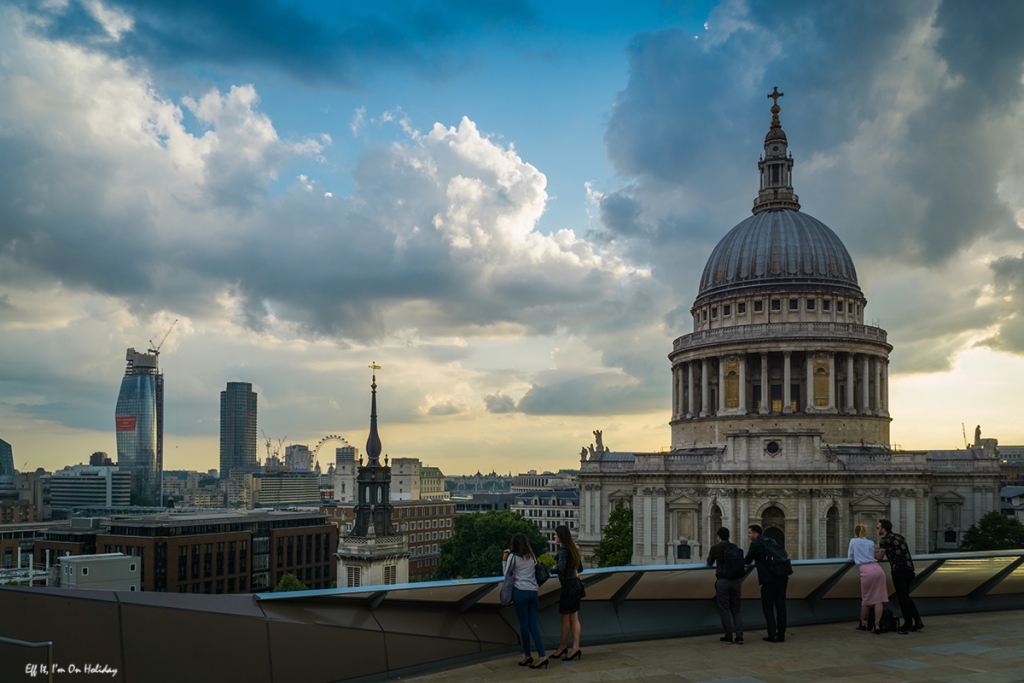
(732, 561)
(776, 560)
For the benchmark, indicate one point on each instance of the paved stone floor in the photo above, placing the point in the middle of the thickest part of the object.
(981, 648)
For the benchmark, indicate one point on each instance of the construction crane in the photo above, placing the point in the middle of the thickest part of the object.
(155, 348)
(271, 451)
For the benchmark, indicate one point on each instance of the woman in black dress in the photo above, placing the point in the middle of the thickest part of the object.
(567, 568)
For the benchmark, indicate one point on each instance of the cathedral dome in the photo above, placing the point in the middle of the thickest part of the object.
(780, 247)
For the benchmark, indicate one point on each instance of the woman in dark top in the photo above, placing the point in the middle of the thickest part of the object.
(567, 567)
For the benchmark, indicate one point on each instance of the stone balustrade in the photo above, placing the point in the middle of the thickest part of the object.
(788, 330)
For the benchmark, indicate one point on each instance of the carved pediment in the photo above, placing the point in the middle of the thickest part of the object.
(869, 504)
(683, 502)
(950, 497)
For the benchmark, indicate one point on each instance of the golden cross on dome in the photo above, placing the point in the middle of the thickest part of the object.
(775, 95)
(374, 367)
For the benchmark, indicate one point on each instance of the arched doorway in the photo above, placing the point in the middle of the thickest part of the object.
(773, 521)
(715, 521)
(832, 532)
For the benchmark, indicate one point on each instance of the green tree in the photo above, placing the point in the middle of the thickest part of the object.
(288, 582)
(475, 547)
(140, 499)
(547, 560)
(615, 549)
(994, 531)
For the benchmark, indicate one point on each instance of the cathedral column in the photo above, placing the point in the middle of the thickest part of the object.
(865, 385)
(764, 384)
(787, 383)
(675, 392)
(809, 383)
(743, 384)
(660, 538)
(647, 527)
(885, 387)
(743, 522)
(690, 405)
(878, 386)
(832, 380)
(721, 385)
(802, 533)
(704, 388)
(911, 530)
(850, 409)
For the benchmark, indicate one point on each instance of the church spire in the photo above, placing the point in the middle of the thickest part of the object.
(373, 441)
(776, 167)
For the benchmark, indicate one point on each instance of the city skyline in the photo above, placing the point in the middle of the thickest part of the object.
(510, 215)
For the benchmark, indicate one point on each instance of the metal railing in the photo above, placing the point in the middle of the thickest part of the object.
(378, 632)
(49, 654)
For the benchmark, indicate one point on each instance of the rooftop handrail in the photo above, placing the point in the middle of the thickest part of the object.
(693, 566)
(48, 644)
(775, 330)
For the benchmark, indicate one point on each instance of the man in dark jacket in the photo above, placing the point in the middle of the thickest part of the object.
(773, 588)
(901, 564)
(727, 586)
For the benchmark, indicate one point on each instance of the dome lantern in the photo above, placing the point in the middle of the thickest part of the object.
(776, 167)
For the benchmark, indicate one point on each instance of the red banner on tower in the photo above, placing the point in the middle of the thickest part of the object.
(125, 423)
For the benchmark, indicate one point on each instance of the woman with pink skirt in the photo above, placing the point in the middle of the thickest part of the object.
(872, 578)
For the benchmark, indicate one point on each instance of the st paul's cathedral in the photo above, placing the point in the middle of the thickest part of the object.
(780, 409)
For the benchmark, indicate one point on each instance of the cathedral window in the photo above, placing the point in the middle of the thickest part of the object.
(775, 174)
(726, 310)
(776, 305)
(758, 306)
(810, 304)
(794, 304)
(741, 308)
(714, 312)
(826, 305)
(705, 314)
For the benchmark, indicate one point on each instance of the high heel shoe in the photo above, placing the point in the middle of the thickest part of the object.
(527, 662)
(560, 653)
(577, 655)
(543, 664)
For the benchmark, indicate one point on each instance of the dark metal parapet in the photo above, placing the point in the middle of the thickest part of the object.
(352, 634)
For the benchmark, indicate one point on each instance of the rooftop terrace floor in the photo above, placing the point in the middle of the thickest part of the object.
(977, 647)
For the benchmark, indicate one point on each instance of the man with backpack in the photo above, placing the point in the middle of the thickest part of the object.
(727, 558)
(773, 570)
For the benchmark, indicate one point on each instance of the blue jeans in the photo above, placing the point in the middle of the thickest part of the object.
(525, 604)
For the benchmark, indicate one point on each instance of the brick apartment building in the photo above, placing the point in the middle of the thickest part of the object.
(424, 522)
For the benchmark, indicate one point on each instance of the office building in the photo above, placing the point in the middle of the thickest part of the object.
(139, 421)
(6, 459)
(547, 481)
(298, 457)
(549, 509)
(237, 429)
(345, 472)
(405, 479)
(225, 552)
(284, 487)
(87, 486)
(432, 484)
(100, 459)
(24, 497)
(482, 502)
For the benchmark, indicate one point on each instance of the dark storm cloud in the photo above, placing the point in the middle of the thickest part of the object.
(499, 403)
(902, 120)
(603, 393)
(319, 43)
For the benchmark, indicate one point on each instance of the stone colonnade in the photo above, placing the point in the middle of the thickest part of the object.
(772, 382)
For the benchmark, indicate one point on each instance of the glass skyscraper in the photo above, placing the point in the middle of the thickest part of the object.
(139, 418)
(6, 459)
(237, 429)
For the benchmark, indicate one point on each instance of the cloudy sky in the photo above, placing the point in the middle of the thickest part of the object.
(507, 205)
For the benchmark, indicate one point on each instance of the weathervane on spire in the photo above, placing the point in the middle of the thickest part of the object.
(774, 95)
